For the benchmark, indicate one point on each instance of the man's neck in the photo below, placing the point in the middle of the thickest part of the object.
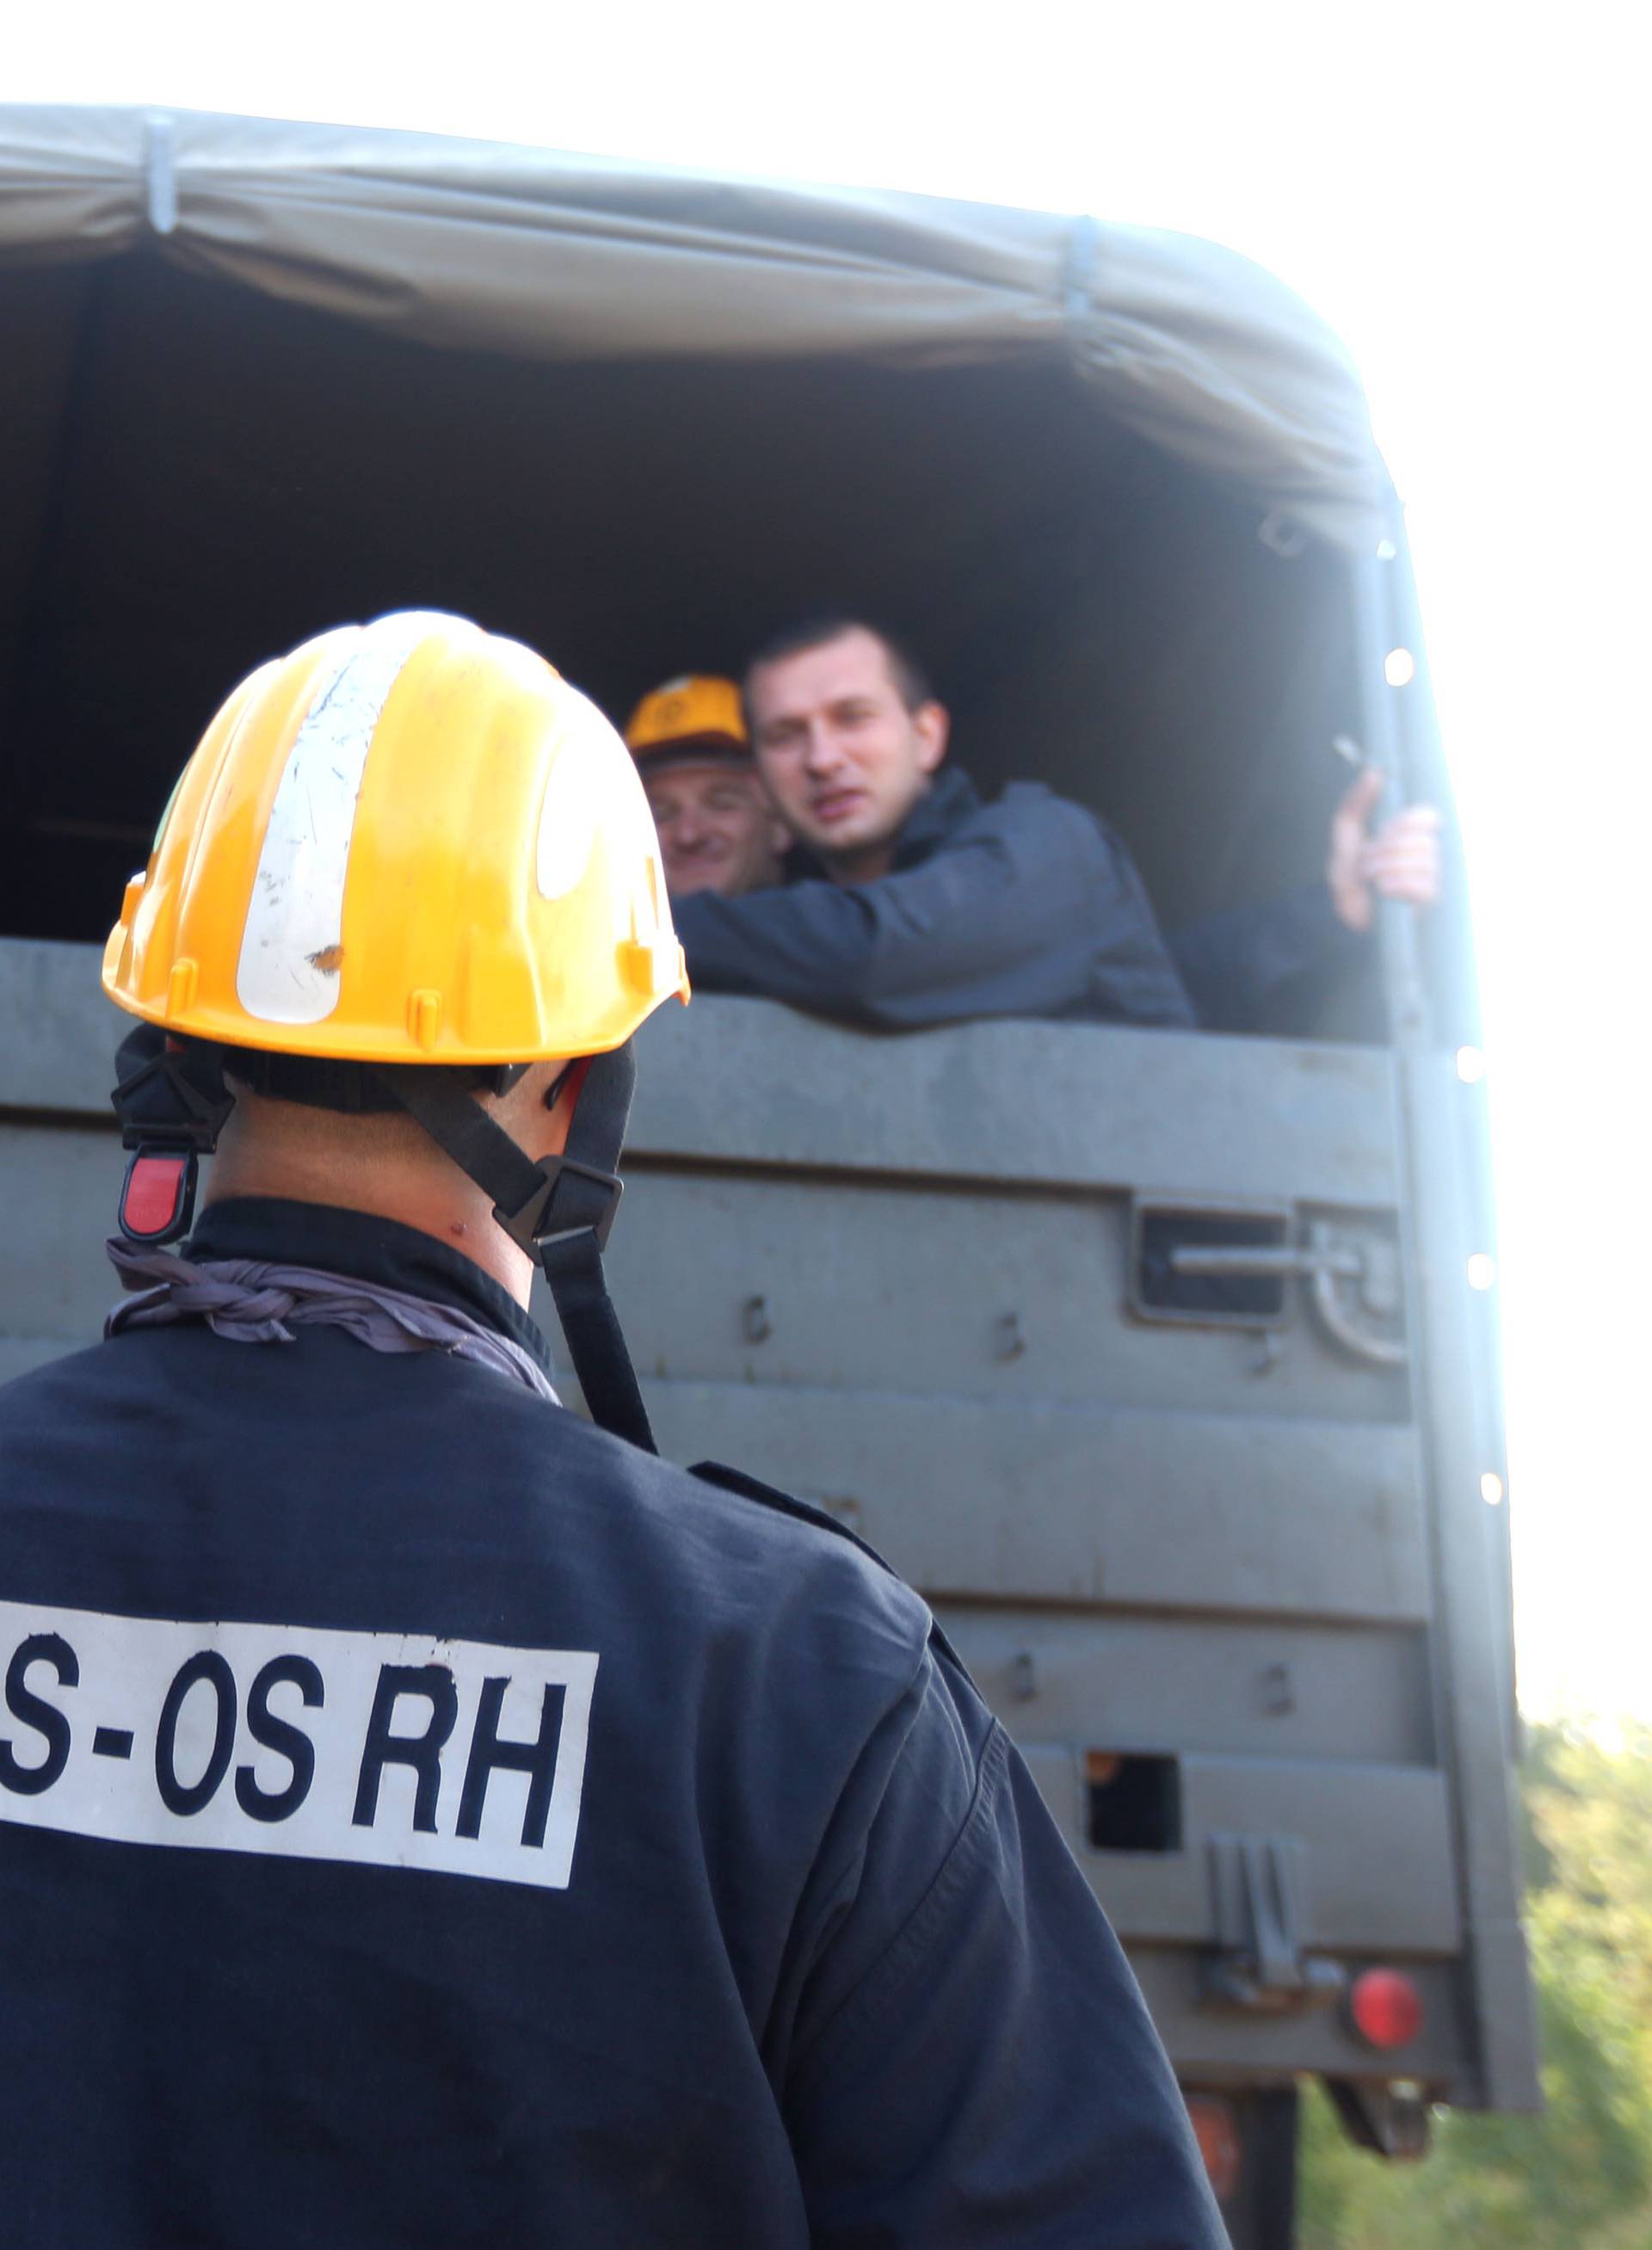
(450, 1211)
(865, 865)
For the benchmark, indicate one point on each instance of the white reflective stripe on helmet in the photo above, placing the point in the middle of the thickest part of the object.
(287, 972)
(569, 810)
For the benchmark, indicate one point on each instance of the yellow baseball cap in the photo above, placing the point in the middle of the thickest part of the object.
(696, 715)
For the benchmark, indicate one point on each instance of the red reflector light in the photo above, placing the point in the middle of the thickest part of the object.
(1217, 2134)
(1385, 2006)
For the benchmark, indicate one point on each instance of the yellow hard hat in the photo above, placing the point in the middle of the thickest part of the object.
(409, 841)
(698, 713)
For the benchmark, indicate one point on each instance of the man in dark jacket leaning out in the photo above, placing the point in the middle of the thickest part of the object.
(911, 903)
(935, 906)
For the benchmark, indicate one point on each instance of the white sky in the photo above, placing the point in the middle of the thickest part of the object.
(1462, 190)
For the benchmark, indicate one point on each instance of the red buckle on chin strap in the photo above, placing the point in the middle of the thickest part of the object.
(157, 1198)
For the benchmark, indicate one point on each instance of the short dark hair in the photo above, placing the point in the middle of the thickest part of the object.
(814, 631)
(350, 1090)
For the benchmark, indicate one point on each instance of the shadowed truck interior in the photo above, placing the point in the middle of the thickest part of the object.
(194, 476)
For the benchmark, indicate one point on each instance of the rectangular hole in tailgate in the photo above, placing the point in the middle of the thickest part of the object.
(1133, 1803)
(1160, 1291)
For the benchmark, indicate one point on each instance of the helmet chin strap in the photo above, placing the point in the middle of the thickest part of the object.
(559, 1210)
(171, 1103)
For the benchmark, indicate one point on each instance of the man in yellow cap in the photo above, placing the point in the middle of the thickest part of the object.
(718, 828)
(426, 1817)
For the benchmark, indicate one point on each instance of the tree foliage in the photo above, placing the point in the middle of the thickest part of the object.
(1578, 2177)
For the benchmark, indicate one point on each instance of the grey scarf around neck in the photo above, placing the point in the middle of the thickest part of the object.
(250, 1301)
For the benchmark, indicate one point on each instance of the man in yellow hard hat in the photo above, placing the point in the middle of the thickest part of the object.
(718, 828)
(424, 1817)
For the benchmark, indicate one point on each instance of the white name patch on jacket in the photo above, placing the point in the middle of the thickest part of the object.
(387, 1749)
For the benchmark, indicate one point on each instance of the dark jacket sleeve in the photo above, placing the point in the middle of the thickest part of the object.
(1267, 968)
(973, 2064)
(1029, 908)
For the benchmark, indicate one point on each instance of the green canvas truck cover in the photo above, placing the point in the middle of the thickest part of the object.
(557, 258)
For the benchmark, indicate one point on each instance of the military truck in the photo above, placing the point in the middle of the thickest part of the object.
(1156, 1359)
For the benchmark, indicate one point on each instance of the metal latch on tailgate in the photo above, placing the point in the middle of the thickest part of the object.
(1327, 1257)
(1259, 1964)
(1231, 1266)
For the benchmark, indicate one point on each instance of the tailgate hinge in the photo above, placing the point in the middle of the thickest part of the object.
(1256, 1886)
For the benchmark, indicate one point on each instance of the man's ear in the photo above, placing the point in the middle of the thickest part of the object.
(932, 723)
(523, 1113)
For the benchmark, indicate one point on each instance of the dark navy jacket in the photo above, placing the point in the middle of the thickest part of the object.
(1269, 967)
(425, 1819)
(1027, 906)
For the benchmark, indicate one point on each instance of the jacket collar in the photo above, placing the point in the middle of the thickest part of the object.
(272, 1230)
(945, 805)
